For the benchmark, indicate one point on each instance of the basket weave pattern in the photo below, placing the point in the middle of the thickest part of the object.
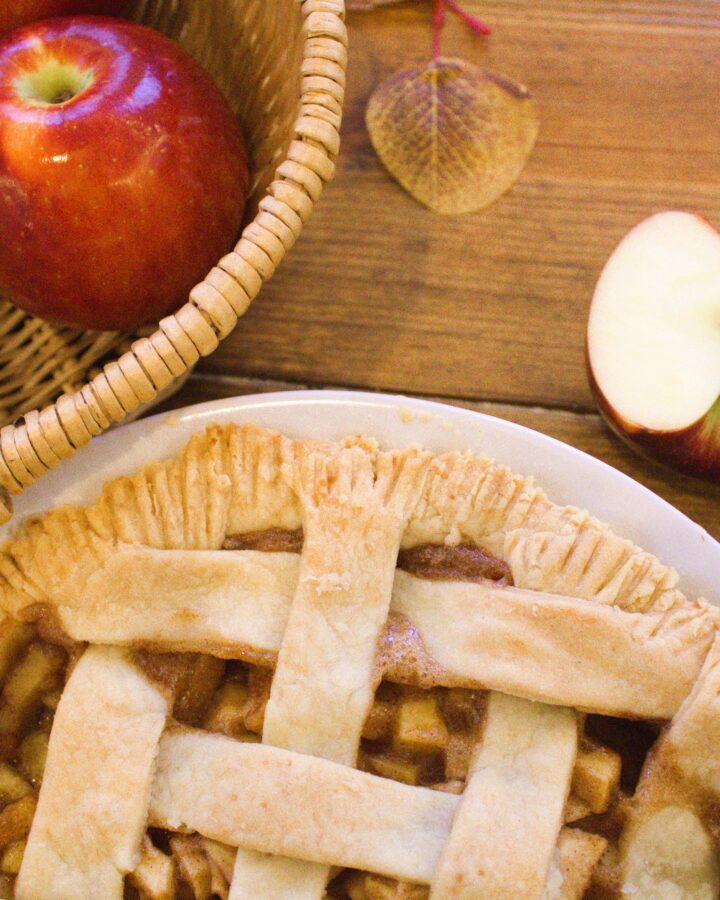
(281, 64)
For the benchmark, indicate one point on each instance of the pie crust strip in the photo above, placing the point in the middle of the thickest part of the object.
(280, 802)
(510, 814)
(545, 647)
(667, 849)
(556, 649)
(93, 806)
(354, 510)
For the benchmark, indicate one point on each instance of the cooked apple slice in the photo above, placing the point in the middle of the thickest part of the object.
(654, 341)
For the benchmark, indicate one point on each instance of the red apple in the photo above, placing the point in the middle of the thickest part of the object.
(19, 12)
(654, 341)
(123, 173)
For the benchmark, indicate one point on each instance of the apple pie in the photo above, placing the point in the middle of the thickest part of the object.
(275, 668)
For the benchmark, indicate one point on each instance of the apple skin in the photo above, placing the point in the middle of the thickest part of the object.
(694, 450)
(14, 13)
(113, 203)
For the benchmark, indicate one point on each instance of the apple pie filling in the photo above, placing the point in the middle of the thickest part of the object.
(417, 733)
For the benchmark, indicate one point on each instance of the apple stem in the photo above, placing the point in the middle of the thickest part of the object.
(438, 20)
(471, 21)
(62, 97)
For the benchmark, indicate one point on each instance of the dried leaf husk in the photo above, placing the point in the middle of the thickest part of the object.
(455, 136)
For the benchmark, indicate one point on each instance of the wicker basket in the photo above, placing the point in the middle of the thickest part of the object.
(281, 64)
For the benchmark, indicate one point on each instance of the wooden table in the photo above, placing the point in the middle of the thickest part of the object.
(489, 310)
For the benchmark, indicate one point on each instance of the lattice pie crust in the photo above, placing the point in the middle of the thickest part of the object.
(380, 675)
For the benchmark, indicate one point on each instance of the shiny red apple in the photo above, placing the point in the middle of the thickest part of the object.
(123, 173)
(654, 341)
(19, 12)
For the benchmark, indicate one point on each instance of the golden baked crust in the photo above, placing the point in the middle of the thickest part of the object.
(576, 617)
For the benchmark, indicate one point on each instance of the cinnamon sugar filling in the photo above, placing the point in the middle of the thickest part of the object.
(461, 562)
(271, 540)
(437, 562)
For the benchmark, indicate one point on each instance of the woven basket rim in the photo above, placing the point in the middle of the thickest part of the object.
(41, 439)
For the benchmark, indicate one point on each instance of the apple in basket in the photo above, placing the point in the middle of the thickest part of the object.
(123, 173)
(20, 12)
(654, 341)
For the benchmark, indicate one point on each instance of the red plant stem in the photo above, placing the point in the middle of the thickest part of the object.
(471, 21)
(438, 20)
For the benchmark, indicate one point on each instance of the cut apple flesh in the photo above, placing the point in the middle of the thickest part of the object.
(654, 329)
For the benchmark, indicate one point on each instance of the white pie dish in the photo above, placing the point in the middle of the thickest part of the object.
(566, 474)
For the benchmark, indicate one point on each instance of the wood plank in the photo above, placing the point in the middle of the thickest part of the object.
(380, 292)
(697, 499)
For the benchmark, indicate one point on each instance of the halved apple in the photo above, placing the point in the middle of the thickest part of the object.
(653, 341)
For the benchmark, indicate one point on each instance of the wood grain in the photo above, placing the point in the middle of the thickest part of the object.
(380, 292)
(699, 500)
